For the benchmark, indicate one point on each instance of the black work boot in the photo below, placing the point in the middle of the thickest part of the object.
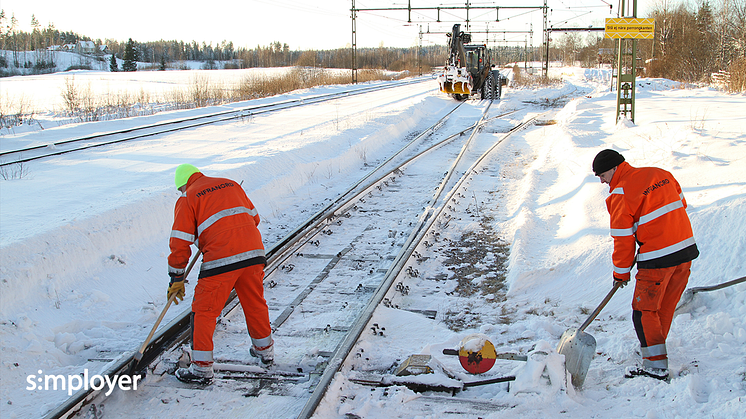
(198, 374)
(265, 354)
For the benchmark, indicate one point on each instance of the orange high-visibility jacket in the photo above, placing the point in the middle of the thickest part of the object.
(647, 207)
(216, 215)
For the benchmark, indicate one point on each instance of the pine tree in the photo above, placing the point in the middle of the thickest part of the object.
(36, 33)
(113, 66)
(130, 56)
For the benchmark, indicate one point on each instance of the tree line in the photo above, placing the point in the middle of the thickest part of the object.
(163, 53)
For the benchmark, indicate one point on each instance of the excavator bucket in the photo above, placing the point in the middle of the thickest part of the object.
(446, 87)
(461, 88)
(455, 81)
(457, 88)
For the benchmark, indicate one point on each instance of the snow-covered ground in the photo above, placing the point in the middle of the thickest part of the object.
(83, 239)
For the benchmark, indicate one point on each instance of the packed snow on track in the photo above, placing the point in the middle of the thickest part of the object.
(85, 238)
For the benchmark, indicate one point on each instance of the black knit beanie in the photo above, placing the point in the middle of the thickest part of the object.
(606, 160)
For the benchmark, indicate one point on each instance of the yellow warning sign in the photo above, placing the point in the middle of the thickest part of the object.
(629, 28)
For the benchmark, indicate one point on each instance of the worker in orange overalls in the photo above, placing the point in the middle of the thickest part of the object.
(648, 215)
(216, 215)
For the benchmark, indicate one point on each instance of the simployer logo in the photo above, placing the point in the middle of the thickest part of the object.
(76, 382)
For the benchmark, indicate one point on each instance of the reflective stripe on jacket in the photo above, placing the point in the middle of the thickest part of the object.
(216, 215)
(647, 207)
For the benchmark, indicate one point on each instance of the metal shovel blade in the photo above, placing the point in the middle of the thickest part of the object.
(578, 348)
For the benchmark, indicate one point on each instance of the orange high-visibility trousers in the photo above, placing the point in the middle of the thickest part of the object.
(210, 296)
(657, 292)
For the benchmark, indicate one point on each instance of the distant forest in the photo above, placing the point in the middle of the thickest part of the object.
(167, 52)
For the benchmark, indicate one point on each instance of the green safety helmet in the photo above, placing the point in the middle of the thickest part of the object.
(183, 172)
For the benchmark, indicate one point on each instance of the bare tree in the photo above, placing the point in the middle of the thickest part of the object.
(736, 27)
(570, 46)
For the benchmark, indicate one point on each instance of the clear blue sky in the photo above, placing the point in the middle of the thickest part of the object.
(302, 24)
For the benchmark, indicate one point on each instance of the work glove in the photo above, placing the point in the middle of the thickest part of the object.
(622, 282)
(176, 287)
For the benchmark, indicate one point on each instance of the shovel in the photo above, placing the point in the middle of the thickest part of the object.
(688, 295)
(579, 347)
(139, 354)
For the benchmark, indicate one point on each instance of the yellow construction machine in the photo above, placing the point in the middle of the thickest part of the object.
(468, 69)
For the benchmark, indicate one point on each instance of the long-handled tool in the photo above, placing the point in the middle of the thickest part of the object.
(579, 347)
(688, 295)
(138, 356)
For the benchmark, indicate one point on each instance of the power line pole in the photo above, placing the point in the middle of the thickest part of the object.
(354, 43)
(625, 81)
(467, 15)
(419, 54)
(545, 66)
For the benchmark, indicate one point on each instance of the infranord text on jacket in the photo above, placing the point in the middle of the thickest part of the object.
(215, 188)
(655, 186)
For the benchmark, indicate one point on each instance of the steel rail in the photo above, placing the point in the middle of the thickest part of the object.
(301, 233)
(309, 231)
(333, 207)
(312, 231)
(218, 117)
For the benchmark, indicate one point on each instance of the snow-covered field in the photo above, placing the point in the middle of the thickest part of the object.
(41, 98)
(83, 239)
(44, 93)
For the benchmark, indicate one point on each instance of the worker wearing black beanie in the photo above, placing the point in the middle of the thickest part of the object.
(650, 228)
(606, 160)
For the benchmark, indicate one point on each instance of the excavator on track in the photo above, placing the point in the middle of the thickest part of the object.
(468, 70)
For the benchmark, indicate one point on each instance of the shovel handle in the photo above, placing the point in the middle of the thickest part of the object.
(719, 286)
(138, 355)
(617, 285)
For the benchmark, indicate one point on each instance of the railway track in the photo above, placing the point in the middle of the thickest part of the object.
(40, 151)
(324, 280)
